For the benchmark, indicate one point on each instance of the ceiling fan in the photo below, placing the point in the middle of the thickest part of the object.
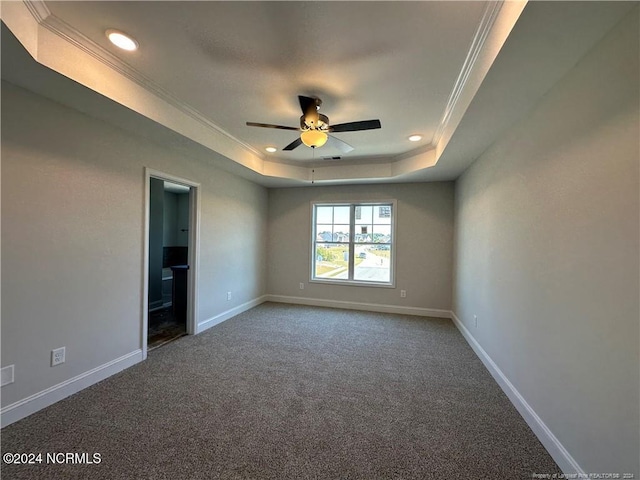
(314, 127)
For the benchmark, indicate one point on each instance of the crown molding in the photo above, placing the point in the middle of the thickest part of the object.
(495, 25)
(489, 16)
(48, 20)
(416, 151)
(38, 9)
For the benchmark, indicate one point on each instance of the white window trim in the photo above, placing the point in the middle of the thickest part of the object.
(356, 283)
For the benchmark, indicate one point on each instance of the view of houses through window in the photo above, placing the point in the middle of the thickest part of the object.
(353, 242)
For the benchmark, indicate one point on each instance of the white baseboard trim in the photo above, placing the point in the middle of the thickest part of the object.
(27, 406)
(368, 307)
(221, 317)
(557, 451)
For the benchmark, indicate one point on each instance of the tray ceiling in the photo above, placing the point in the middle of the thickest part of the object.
(203, 69)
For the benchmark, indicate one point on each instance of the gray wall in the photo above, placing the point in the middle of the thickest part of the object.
(546, 248)
(547, 226)
(424, 224)
(72, 239)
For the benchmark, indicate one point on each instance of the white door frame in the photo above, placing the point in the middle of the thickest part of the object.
(193, 252)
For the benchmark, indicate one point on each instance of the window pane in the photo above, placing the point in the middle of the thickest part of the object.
(381, 234)
(363, 234)
(371, 264)
(382, 214)
(364, 214)
(324, 214)
(324, 233)
(341, 214)
(341, 233)
(332, 261)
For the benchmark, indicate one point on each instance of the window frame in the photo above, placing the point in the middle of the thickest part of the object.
(352, 243)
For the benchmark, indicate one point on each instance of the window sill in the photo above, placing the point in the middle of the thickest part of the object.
(353, 283)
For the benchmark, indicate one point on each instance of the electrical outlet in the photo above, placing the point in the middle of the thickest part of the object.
(6, 375)
(228, 295)
(403, 294)
(475, 321)
(301, 286)
(57, 356)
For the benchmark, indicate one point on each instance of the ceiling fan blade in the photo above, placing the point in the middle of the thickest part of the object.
(344, 147)
(296, 143)
(268, 125)
(307, 103)
(356, 126)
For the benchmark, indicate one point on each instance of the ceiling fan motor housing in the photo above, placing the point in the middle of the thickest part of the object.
(314, 122)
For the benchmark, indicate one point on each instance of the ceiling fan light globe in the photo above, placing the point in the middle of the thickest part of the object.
(313, 138)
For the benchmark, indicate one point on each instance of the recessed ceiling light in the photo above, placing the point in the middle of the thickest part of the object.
(271, 149)
(122, 40)
(415, 138)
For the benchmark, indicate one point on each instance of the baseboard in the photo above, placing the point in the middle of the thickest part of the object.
(221, 317)
(557, 451)
(27, 406)
(368, 307)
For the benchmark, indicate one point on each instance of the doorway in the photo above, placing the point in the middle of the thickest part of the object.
(171, 217)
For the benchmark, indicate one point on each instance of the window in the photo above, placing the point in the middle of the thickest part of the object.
(353, 243)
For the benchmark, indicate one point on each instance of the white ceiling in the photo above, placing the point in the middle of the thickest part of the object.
(247, 61)
(456, 72)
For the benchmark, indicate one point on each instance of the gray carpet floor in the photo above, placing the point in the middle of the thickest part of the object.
(292, 392)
